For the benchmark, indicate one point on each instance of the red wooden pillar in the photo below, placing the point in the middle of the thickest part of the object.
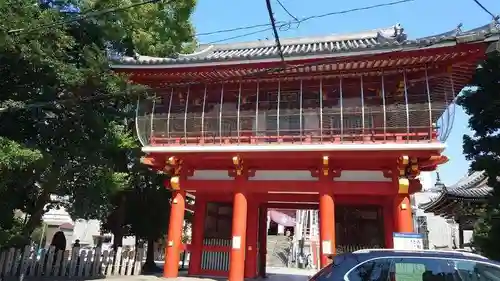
(237, 257)
(403, 218)
(252, 234)
(388, 212)
(198, 235)
(326, 227)
(174, 242)
(262, 240)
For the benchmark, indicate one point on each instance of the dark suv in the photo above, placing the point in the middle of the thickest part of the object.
(396, 265)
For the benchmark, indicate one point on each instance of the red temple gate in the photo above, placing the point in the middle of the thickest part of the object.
(348, 123)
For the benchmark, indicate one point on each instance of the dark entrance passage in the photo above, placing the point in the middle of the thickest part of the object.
(358, 227)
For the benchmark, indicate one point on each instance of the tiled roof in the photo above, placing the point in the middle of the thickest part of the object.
(472, 187)
(380, 39)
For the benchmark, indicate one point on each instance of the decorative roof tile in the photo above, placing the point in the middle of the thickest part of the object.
(380, 39)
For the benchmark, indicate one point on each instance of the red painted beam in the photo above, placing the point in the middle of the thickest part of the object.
(337, 188)
(281, 156)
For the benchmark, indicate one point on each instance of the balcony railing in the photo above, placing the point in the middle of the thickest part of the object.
(313, 111)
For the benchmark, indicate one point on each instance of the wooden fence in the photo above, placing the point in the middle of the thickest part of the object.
(77, 263)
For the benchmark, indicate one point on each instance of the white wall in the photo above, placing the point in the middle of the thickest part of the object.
(442, 233)
(84, 230)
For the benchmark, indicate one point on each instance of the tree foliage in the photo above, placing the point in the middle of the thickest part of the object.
(66, 135)
(482, 103)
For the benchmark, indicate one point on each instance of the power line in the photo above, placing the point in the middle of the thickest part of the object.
(86, 15)
(251, 75)
(495, 18)
(301, 20)
(286, 11)
(275, 31)
(240, 36)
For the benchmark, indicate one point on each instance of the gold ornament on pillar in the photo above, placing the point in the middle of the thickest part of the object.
(403, 162)
(238, 165)
(403, 185)
(176, 167)
(325, 165)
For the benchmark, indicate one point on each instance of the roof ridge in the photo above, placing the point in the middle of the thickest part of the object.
(366, 34)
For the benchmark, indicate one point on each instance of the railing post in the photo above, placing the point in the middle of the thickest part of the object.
(257, 111)
(137, 125)
(278, 110)
(238, 114)
(341, 110)
(362, 107)
(429, 102)
(301, 133)
(321, 109)
(220, 112)
(169, 112)
(407, 106)
(384, 109)
(185, 113)
(152, 119)
(203, 114)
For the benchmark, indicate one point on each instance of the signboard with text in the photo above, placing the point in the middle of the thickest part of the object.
(408, 241)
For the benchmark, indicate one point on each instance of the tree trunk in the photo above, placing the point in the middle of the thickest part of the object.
(119, 220)
(150, 254)
(48, 186)
(36, 216)
(150, 265)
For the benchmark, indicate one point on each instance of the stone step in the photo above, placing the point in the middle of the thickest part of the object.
(278, 248)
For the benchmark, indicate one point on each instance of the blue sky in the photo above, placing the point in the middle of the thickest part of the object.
(419, 18)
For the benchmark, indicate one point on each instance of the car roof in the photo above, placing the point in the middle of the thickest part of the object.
(374, 253)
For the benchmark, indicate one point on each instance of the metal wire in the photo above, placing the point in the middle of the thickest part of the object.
(185, 113)
(169, 112)
(406, 106)
(203, 112)
(141, 140)
(384, 106)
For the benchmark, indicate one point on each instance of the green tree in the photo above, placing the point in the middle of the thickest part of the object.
(65, 126)
(481, 101)
(148, 198)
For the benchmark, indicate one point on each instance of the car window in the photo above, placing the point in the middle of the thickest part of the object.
(374, 270)
(423, 269)
(407, 271)
(404, 269)
(476, 271)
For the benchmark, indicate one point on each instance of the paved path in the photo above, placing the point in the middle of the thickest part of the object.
(274, 274)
